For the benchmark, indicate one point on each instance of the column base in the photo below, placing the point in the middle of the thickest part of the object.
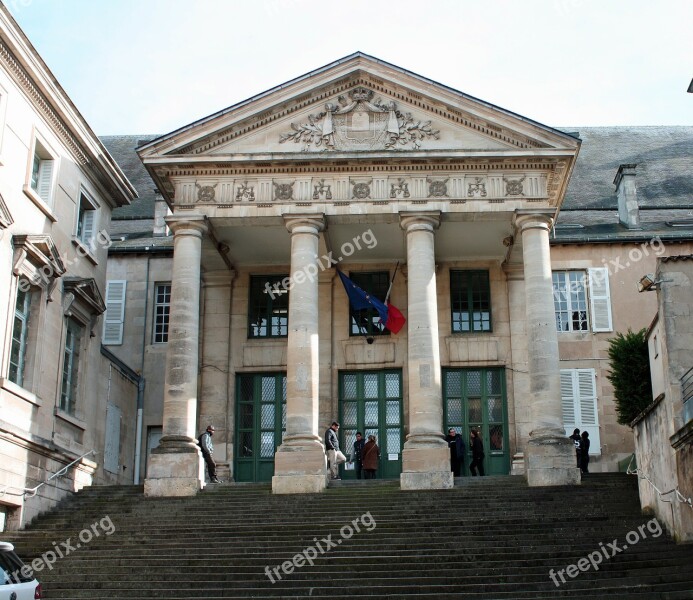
(174, 472)
(426, 467)
(300, 469)
(550, 460)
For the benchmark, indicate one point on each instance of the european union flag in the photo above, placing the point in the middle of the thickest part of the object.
(390, 316)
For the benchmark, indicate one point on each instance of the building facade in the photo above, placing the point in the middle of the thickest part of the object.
(63, 402)
(361, 165)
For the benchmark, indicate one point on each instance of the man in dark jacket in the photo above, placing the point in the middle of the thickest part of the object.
(205, 441)
(477, 453)
(357, 454)
(334, 455)
(457, 451)
(577, 441)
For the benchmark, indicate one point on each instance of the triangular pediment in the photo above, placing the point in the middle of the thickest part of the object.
(356, 105)
(85, 291)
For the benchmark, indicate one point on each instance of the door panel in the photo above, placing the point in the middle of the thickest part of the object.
(371, 402)
(475, 398)
(260, 424)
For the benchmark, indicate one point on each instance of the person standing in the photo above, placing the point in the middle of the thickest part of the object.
(457, 451)
(205, 441)
(585, 453)
(334, 455)
(357, 454)
(477, 453)
(371, 457)
(577, 441)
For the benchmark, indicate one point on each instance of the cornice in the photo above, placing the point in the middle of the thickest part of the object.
(23, 79)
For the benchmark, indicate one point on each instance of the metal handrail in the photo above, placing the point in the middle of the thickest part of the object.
(642, 475)
(31, 492)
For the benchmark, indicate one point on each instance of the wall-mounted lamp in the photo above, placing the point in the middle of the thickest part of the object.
(647, 283)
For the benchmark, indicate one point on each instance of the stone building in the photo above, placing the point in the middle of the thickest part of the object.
(361, 165)
(63, 399)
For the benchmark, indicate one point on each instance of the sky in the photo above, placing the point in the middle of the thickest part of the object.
(152, 66)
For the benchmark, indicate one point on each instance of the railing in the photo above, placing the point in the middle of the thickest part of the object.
(31, 492)
(687, 395)
(679, 497)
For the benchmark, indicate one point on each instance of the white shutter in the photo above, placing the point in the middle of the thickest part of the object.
(567, 400)
(115, 312)
(45, 180)
(88, 224)
(600, 300)
(111, 453)
(579, 398)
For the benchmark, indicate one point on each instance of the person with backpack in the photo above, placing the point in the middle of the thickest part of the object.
(205, 441)
(334, 455)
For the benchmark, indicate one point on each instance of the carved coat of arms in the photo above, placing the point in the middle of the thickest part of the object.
(358, 122)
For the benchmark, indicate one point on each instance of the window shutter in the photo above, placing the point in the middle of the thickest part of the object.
(115, 312)
(45, 180)
(600, 300)
(88, 224)
(567, 400)
(579, 399)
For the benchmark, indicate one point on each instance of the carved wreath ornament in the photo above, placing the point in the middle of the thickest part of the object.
(358, 123)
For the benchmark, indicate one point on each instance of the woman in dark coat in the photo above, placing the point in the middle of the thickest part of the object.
(477, 454)
(370, 457)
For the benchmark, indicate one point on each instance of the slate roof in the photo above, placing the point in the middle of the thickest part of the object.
(123, 149)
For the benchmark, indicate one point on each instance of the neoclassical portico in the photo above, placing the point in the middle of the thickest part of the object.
(443, 181)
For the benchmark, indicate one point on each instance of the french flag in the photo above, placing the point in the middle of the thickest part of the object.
(389, 314)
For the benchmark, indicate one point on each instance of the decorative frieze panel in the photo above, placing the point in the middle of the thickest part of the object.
(379, 187)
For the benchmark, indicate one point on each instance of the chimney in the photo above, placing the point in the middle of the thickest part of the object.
(161, 210)
(627, 194)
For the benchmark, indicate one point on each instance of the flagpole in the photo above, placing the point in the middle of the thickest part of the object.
(387, 296)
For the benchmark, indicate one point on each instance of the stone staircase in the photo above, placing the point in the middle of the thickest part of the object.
(489, 537)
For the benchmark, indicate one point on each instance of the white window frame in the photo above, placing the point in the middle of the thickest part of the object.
(161, 306)
(23, 316)
(43, 194)
(114, 317)
(72, 354)
(579, 404)
(87, 220)
(595, 287)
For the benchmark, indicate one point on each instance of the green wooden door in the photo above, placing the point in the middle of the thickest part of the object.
(260, 424)
(475, 399)
(371, 402)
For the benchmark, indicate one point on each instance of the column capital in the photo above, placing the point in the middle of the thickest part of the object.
(196, 225)
(525, 219)
(419, 221)
(312, 223)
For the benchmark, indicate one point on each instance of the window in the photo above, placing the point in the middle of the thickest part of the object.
(470, 300)
(367, 321)
(86, 221)
(115, 312)
(42, 172)
(73, 343)
(162, 310)
(20, 335)
(268, 307)
(570, 298)
(579, 403)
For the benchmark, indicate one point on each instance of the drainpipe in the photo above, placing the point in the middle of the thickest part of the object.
(140, 383)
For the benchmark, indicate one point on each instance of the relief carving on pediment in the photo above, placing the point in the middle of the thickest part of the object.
(358, 122)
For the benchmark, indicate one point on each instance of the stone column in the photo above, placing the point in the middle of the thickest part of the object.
(300, 463)
(550, 455)
(176, 466)
(425, 457)
(214, 405)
